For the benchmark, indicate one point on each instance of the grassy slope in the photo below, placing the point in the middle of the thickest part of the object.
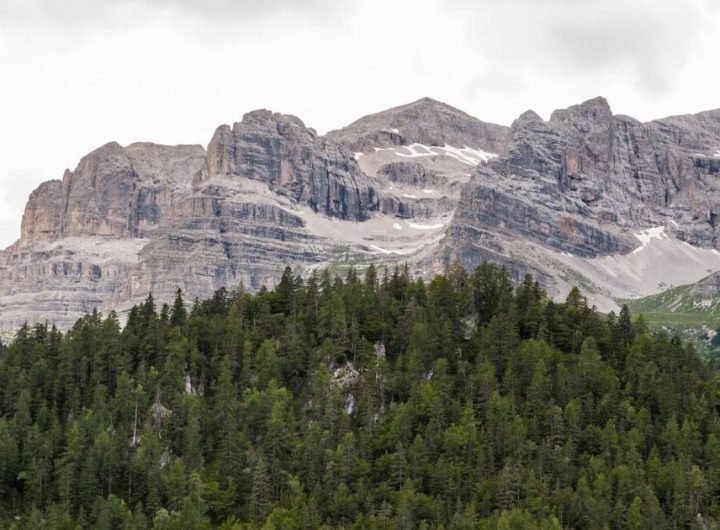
(682, 310)
(679, 306)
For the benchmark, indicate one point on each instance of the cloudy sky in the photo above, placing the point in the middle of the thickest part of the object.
(75, 74)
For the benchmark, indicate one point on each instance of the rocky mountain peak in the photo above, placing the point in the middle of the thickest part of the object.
(264, 116)
(596, 109)
(98, 192)
(165, 163)
(258, 116)
(529, 117)
(109, 155)
(428, 105)
(113, 192)
(533, 148)
(425, 121)
(42, 220)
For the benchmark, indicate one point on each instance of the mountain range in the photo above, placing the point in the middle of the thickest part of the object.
(622, 209)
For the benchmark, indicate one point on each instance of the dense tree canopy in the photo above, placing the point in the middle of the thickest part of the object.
(377, 402)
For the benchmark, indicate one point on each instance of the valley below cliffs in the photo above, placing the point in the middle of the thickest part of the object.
(621, 209)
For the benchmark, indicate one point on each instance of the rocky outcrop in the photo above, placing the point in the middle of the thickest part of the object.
(113, 192)
(81, 236)
(293, 161)
(166, 174)
(98, 195)
(214, 241)
(634, 174)
(42, 221)
(584, 184)
(525, 192)
(410, 173)
(584, 180)
(60, 281)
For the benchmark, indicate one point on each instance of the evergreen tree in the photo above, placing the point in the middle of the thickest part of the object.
(178, 314)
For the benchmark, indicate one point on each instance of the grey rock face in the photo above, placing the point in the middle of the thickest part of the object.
(98, 193)
(584, 180)
(215, 241)
(114, 191)
(412, 173)
(42, 221)
(642, 174)
(417, 207)
(148, 218)
(166, 174)
(60, 281)
(414, 176)
(582, 185)
(280, 151)
(529, 192)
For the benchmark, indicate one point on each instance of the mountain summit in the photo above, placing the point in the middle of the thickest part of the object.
(425, 121)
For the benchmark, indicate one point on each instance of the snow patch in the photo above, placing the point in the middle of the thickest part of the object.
(415, 150)
(396, 131)
(647, 235)
(466, 155)
(396, 252)
(660, 262)
(419, 226)
(358, 155)
(384, 250)
(428, 191)
(392, 235)
(717, 154)
(409, 196)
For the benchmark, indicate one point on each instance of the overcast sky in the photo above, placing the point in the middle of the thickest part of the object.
(75, 74)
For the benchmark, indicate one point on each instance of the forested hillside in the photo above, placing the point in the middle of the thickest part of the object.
(382, 402)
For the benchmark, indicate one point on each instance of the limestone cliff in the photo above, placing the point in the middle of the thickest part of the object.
(293, 161)
(585, 183)
(114, 191)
